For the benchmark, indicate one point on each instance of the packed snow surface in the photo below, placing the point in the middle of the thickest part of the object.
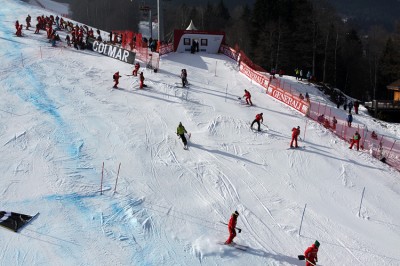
(60, 121)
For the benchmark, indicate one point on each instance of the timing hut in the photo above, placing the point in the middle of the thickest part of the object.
(208, 41)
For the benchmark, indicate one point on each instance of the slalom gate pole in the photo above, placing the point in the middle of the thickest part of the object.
(101, 183)
(116, 181)
(301, 223)
(305, 128)
(362, 196)
(391, 149)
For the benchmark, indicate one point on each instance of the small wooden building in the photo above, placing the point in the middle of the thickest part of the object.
(395, 87)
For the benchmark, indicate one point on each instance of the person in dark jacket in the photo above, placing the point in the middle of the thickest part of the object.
(184, 77)
(311, 254)
(349, 119)
(232, 228)
(141, 80)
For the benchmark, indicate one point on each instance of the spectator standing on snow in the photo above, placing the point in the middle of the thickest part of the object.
(345, 103)
(311, 254)
(295, 135)
(68, 39)
(297, 73)
(355, 140)
(308, 75)
(334, 122)
(180, 131)
(349, 119)
(350, 105)
(301, 74)
(356, 105)
(259, 118)
(116, 77)
(232, 227)
(247, 96)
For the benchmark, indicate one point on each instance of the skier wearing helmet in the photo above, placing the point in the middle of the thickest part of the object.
(232, 227)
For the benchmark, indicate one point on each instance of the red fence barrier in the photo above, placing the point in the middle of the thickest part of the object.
(384, 148)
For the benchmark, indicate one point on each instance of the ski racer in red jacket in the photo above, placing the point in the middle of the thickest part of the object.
(247, 96)
(116, 77)
(135, 71)
(311, 254)
(232, 227)
(295, 134)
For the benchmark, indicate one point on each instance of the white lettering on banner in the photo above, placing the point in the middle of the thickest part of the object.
(111, 51)
(95, 46)
(114, 52)
(260, 79)
(289, 99)
(119, 54)
(101, 48)
(125, 56)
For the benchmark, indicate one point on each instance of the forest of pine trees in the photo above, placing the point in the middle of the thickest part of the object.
(278, 34)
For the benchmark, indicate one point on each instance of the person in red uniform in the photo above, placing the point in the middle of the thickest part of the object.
(116, 77)
(232, 227)
(247, 96)
(259, 117)
(295, 135)
(135, 71)
(311, 254)
(19, 31)
(355, 140)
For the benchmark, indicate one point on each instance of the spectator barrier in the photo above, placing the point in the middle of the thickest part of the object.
(384, 148)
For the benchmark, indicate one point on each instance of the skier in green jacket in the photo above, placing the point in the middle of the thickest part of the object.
(180, 131)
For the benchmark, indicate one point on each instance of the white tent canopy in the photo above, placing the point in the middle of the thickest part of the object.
(191, 26)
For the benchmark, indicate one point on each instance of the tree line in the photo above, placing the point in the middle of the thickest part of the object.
(278, 34)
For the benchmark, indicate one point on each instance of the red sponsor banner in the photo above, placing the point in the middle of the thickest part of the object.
(289, 99)
(166, 48)
(253, 75)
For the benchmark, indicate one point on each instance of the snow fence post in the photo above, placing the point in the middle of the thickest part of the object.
(362, 196)
(22, 60)
(305, 128)
(301, 223)
(226, 92)
(116, 181)
(390, 151)
(101, 183)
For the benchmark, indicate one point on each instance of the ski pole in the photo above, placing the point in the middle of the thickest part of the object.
(227, 224)
(302, 257)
